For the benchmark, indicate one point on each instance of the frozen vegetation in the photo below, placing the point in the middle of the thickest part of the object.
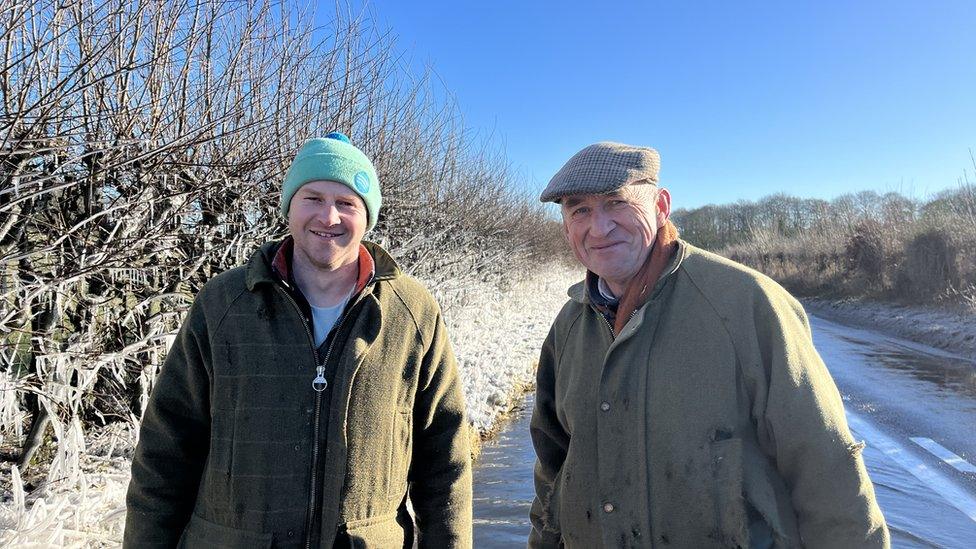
(497, 342)
(134, 173)
(496, 336)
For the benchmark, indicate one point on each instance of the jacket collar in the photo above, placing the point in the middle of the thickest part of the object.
(272, 263)
(578, 292)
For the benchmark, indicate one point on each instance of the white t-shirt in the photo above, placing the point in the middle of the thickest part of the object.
(324, 318)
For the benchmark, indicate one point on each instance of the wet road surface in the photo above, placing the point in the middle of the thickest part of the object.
(503, 488)
(914, 406)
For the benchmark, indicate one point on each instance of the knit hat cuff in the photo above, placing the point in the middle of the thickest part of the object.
(343, 164)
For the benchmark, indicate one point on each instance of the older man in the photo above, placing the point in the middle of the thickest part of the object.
(681, 402)
(306, 391)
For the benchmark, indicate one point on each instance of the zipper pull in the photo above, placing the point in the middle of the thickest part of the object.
(319, 383)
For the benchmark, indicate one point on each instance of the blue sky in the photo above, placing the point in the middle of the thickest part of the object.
(742, 99)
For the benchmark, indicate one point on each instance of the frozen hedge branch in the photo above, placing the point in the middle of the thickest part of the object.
(142, 145)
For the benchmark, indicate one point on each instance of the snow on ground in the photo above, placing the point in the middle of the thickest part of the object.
(953, 331)
(496, 337)
(497, 342)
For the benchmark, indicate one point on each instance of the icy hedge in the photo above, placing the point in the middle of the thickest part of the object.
(496, 337)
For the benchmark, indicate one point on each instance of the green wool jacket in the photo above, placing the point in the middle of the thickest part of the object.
(710, 421)
(228, 446)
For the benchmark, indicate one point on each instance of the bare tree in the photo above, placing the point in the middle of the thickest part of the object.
(142, 145)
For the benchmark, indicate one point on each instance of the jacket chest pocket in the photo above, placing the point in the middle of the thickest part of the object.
(728, 492)
(379, 457)
(401, 451)
(220, 458)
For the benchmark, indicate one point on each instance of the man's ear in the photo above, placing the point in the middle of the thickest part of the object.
(663, 206)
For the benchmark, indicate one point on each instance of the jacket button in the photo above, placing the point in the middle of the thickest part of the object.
(298, 447)
(291, 533)
(605, 406)
(608, 507)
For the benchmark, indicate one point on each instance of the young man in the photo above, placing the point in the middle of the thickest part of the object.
(307, 391)
(680, 401)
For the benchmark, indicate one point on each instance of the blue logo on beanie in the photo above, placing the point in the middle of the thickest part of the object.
(339, 136)
(361, 181)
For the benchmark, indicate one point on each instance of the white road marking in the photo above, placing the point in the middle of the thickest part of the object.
(944, 454)
(941, 485)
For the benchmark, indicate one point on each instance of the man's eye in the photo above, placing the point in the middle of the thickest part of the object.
(579, 212)
(616, 202)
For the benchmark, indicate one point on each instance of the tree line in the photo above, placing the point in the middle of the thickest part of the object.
(858, 244)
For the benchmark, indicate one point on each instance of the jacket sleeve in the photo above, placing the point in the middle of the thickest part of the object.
(802, 424)
(551, 443)
(173, 442)
(440, 475)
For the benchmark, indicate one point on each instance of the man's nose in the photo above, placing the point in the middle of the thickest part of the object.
(602, 223)
(329, 214)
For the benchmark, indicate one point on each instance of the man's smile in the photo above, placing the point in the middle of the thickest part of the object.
(327, 234)
(607, 246)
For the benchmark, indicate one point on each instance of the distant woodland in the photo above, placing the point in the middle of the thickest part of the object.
(863, 244)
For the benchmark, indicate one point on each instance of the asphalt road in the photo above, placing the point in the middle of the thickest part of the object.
(915, 406)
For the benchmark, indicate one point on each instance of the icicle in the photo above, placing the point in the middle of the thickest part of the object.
(17, 486)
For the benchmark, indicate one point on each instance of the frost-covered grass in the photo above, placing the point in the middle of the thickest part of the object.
(496, 337)
(497, 340)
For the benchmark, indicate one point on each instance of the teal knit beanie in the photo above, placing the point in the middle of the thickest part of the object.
(334, 158)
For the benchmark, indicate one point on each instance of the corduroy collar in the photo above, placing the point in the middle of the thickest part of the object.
(578, 292)
(283, 257)
(271, 263)
(606, 306)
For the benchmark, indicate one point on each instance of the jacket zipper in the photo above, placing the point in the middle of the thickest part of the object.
(613, 337)
(607, 322)
(320, 375)
(318, 407)
(320, 369)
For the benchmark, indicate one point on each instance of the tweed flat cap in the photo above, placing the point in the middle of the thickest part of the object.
(603, 168)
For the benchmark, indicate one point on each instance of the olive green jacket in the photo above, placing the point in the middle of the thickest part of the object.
(225, 456)
(710, 421)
